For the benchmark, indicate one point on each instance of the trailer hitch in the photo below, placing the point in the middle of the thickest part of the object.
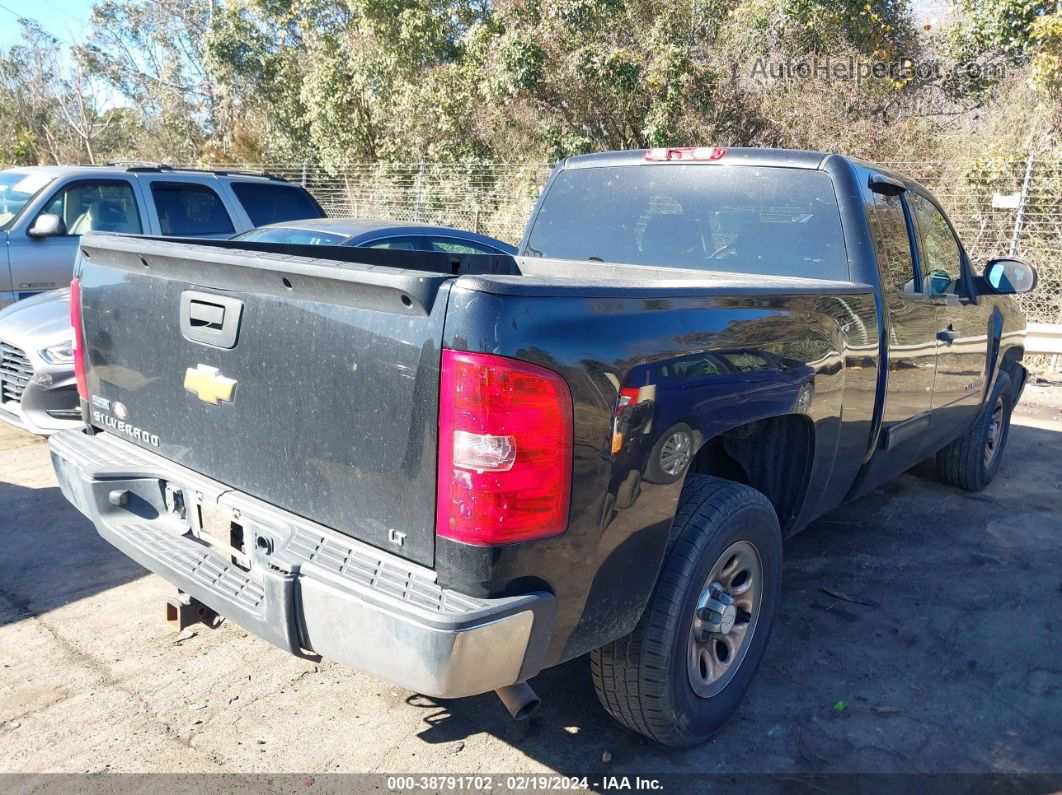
(183, 611)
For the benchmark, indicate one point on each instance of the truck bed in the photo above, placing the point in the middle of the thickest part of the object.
(333, 362)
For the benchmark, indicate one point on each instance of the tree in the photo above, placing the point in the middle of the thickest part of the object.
(361, 80)
(1046, 68)
(153, 52)
(998, 28)
(59, 110)
(591, 74)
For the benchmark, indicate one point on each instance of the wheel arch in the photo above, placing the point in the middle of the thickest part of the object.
(1010, 363)
(772, 455)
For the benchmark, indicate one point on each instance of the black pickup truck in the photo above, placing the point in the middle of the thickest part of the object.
(453, 471)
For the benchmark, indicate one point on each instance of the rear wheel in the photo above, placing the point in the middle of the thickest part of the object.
(971, 461)
(684, 670)
(671, 455)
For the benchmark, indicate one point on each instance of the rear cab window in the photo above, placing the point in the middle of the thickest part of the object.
(273, 204)
(767, 220)
(189, 209)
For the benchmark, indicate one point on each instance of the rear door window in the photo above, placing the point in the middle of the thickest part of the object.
(746, 361)
(892, 244)
(396, 243)
(765, 220)
(188, 209)
(96, 205)
(453, 245)
(274, 204)
(287, 234)
(699, 366)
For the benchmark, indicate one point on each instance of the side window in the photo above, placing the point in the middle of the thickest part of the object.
(189, 210)
(891, 244)
(746, 361)
(452, 245)
(396, 243)
(273, 204)
(941, 253)
(101, 206)
(696, 367)
(287, 234)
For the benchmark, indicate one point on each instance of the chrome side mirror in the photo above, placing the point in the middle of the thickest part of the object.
(47, 225)
(1006, 276)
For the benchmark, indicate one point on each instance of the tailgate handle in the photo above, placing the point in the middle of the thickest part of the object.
(204, 314)
(210, 319)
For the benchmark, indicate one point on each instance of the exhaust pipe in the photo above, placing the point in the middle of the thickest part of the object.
(519, 699)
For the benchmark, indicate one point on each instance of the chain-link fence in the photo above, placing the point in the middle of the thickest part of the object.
(491, 198)
(1000, 207)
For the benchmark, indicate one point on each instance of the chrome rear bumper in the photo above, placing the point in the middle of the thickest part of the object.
(308, 589)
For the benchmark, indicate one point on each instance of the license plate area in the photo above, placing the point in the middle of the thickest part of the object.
(217, 527)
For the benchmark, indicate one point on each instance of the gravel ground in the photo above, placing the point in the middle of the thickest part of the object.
(920, 632)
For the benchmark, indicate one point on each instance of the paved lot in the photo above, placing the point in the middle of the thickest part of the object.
(947, 650)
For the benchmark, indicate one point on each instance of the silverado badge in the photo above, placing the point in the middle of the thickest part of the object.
(209, 385)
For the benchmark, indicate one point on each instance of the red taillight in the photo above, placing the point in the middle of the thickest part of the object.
(685, 153)
(505, 450)
(628, 396)
(79, 339)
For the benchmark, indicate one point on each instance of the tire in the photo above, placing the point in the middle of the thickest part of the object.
(647, 680)
(971, 461)
(666, 463)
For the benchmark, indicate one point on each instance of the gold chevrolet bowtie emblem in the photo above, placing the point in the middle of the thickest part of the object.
(209, 384)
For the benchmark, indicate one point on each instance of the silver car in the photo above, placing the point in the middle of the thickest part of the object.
(44, 210)
(37, 387)
(37, 369)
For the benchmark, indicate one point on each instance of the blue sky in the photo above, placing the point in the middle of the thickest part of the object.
(68, 19)
(65, 19)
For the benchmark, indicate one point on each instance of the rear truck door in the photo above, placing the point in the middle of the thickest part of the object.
(911, 338)
(962, 333)
(310, 384)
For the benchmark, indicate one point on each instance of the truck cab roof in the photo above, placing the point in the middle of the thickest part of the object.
(729, 156)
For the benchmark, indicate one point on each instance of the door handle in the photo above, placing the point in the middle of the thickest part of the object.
(948, 335)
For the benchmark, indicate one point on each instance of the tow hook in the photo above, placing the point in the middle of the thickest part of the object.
(520, 699)
(182, 611)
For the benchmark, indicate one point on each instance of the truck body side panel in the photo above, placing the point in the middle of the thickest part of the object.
(810, 354)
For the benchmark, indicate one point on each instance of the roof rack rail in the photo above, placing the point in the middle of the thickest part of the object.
(242, 172)
(139, 166)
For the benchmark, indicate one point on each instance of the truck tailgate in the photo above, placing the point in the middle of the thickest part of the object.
(311, 384)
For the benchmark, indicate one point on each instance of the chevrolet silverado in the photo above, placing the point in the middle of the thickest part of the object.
(455, 470)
